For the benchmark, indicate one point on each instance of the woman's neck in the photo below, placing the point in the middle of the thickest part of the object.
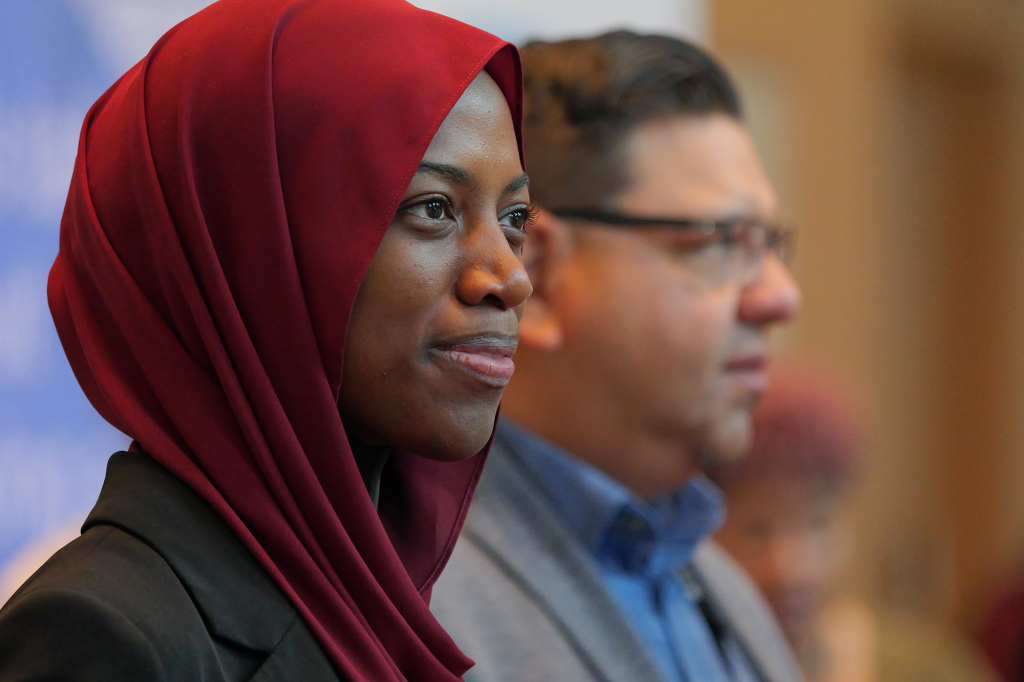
(371, 460)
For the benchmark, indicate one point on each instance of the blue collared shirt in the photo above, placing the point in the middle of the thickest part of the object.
(640, 548)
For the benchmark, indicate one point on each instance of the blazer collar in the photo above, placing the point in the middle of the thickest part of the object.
(653, 538)
(237, 599)
(519, 528)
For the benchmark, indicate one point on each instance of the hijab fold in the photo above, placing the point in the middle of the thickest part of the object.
(229, 193)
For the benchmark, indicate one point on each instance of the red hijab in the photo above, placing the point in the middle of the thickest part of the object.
(229, 193)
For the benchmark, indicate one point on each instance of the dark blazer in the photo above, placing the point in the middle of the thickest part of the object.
(157, 588)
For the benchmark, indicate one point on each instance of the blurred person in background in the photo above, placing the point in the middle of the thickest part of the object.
(657, 273)
(787, 526)
(1002, 632)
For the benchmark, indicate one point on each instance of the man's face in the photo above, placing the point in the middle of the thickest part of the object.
(683, 357)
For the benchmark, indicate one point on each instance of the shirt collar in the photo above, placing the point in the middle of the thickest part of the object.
(616, 526)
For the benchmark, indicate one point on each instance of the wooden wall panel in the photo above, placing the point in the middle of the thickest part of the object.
(905, 171)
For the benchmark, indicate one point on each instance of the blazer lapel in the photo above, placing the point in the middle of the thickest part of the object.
(513, 523)
(736, 601)
(297, 657)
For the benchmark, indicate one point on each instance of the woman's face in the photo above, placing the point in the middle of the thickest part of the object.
(436, 322)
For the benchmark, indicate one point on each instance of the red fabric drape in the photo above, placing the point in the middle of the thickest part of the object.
(229, 192)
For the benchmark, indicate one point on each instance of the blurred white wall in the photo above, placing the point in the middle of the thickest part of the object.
(527, 19)
(124, 30)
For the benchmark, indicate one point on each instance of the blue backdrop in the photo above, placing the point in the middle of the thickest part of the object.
(53, 445)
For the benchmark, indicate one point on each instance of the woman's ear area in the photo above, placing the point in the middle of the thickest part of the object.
(546, 252)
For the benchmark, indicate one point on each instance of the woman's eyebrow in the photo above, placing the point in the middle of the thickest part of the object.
(517, 184)
(459, 176)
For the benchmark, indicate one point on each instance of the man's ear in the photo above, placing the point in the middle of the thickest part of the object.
(546, 253)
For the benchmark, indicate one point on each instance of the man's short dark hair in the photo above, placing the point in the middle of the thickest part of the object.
(584, 97)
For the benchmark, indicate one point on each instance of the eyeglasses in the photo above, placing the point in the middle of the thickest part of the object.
(719, 251)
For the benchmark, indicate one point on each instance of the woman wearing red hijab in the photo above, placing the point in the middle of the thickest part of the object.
(290, 268)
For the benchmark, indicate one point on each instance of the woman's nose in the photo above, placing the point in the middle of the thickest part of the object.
(494, 271)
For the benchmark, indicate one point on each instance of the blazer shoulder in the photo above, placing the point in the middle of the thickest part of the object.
(56, 633)
(107, 606)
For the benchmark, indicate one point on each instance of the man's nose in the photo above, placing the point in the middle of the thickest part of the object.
(772, 298)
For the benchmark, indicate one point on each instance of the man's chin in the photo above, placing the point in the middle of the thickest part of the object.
(727, 444)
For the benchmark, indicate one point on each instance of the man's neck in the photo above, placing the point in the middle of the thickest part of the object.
(650, 465)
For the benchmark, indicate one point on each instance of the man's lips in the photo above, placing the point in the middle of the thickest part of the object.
(751, 370)
(488, 357)
(748, 363)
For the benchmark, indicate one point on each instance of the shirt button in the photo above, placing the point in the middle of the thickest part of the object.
(633, 523)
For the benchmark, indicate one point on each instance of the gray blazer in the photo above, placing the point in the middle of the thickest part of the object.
(522, 597)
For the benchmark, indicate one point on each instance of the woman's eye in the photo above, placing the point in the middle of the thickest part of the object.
(520, 218)
(432, 209)
(517, 219)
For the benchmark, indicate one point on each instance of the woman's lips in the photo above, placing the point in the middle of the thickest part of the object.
(490, 360)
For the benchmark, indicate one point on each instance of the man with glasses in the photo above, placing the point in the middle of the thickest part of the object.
(658, 270)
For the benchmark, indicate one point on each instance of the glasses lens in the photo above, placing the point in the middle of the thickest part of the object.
(756, 240)
(732, 251)
(709, 256)
(715, 251)
(782, 243)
